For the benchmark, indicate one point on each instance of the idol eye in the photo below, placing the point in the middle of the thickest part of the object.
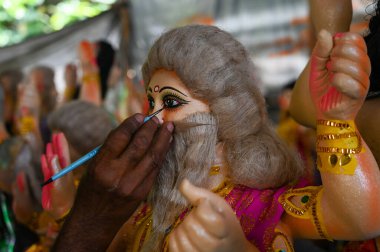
(170, 102)
(151, 103)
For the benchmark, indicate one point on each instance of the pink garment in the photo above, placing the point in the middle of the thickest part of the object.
(258, 212)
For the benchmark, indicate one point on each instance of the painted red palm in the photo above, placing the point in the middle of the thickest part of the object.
(57, 197)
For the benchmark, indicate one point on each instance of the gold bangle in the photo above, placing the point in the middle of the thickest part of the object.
(342, 125)
(337, 136)
(355, 150)
(90, 78)
(336, 146)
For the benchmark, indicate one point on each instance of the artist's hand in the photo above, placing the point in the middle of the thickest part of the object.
(339, 75)
(58, 196)
(210, 227)
(118, 178)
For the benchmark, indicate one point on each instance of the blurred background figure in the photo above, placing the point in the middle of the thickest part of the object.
(79, 126)
(96, 60)
(9, 81)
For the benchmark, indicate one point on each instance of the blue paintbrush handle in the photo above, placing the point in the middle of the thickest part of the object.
(77, 163)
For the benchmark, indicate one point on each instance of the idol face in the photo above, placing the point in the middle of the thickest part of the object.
(166, 89)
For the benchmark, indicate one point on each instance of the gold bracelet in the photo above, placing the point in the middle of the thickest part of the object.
(336, 146)
(338, 124)
(337, 136)
(90, 78)
(355, 150)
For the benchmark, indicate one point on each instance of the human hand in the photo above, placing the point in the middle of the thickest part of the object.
(339, 75)
(58, 196)
(118, 178)
(210, 226)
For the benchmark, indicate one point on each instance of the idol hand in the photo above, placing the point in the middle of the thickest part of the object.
(210, 226)
(339, 75)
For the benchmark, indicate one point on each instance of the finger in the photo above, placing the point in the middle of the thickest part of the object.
(350, 68)
(45, 168)
(193, 194)
(350, 37)
(120, 137)
(49, 152)
(140, 142)
(352, 53)
(198, 233)
(183, 242)
(208, 211)
(322, 50)
(148, 168)
(62, 149)
(143, 188)
(173, 243)
(349, 86)
(54, 164)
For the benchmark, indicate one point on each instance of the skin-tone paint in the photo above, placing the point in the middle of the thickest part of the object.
(166, 89)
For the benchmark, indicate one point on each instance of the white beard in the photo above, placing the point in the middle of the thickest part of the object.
(191, 156)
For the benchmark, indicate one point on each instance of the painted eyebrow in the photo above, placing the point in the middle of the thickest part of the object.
(163, 88)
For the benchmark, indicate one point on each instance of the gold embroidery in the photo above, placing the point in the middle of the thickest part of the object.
(214, 170)
(144, 229)
(288, 245)
(318, 218)
(307, 196)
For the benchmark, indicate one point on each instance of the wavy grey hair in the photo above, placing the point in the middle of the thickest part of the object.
(217, 69)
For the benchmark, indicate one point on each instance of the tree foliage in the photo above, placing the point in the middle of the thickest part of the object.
(21, 19)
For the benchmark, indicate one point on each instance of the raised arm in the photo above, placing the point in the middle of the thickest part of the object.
(347, 205)
(333, 16)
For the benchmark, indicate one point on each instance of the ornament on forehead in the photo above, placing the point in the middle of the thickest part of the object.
(156, 88)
